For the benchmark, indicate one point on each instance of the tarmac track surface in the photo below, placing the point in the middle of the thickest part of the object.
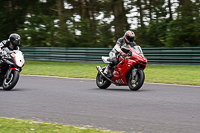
(156, 108)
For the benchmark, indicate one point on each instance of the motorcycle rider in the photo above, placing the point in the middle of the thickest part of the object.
(12, 43)
(121, 48)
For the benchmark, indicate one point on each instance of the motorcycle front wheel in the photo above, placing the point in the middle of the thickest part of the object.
(102, 82)
(136, 82)
(12, 80)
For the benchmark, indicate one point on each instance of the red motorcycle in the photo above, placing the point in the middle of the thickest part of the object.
(128, 72)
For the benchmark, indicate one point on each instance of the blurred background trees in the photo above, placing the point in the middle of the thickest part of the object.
(99, 23)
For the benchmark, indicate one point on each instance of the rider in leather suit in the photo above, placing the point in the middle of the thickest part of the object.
(12, 43)
(122, 44)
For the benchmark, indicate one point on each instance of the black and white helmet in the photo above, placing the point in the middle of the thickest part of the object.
(15, 39)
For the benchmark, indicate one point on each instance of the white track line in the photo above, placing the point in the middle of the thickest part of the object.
(172, 84)
(95, 79)
(56, 77)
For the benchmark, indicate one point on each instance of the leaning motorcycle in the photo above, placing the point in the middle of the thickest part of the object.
(128, 72)
(11, 64)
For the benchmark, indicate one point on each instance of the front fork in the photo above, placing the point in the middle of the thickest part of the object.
(9, 72)
(134, 71)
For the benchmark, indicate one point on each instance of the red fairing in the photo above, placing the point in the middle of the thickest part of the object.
(125, 64)
(141, 60)
(24, 63)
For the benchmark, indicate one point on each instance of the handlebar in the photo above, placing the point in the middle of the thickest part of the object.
(8, 51)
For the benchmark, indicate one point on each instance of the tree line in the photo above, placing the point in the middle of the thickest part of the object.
(99, 23)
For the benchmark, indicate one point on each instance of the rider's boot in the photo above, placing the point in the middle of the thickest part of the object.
(107, 70)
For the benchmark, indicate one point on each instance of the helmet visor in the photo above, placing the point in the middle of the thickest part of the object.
(130, 38)
(16, 42)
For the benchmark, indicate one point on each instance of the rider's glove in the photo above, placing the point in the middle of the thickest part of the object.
(129, 53)
(3, 53)
(122, 54)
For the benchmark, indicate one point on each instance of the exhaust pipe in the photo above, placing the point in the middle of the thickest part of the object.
(100, 71)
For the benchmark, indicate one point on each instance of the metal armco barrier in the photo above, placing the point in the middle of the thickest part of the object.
(157, 55)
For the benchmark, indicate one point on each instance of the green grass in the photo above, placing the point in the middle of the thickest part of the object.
(28, 126)
(170, 74)
(61, 69)
(173, 74)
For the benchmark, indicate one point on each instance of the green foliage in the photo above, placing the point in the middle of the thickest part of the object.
(87, 38)
(155, 34)
(43, 23)
(39, 31)
(106, 36)
(65, 37)
(183, 32)
(12, 15)
(152, 35)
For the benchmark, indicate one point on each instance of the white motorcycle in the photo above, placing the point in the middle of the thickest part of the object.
(11, 64)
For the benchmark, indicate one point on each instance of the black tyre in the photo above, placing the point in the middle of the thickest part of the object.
(9, 83)
(102, 82)
(136, 83)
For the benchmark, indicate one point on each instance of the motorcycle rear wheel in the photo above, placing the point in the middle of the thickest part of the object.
(102, 82)
(136, 83)
(12, 80)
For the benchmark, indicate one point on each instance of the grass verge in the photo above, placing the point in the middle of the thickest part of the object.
(170, 74)
(27, 126)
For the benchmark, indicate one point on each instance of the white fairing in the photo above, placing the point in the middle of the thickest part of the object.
(105, 59)
(18, 57)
